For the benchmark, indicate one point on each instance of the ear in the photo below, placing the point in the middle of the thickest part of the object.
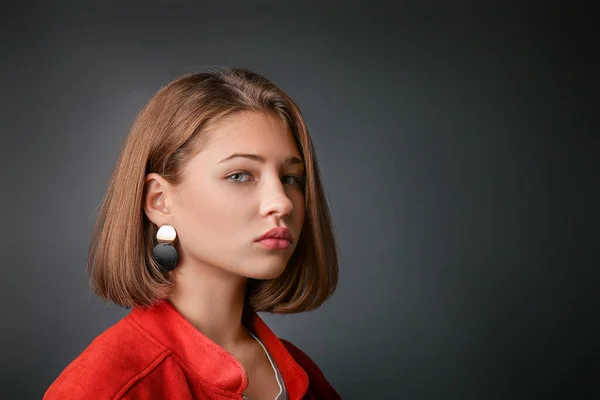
(157, 199)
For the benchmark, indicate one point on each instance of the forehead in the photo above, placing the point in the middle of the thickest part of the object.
(265, 134)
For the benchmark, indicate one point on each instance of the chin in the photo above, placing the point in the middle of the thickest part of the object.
(265, 272)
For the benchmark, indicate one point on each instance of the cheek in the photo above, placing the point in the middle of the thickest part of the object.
(210, 216)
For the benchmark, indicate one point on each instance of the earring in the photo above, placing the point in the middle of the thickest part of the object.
(164, 253)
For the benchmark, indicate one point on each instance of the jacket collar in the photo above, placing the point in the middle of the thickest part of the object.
(213, 364)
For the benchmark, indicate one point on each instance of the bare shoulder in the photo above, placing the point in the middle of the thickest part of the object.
(113, 360)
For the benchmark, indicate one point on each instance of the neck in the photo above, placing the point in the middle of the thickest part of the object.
(212, 300)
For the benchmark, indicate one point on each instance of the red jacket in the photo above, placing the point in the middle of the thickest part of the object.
(155, 353)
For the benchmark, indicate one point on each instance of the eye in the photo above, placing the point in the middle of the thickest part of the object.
(239, 177)
(294, 180)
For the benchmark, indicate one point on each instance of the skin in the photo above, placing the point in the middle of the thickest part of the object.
(218, 211)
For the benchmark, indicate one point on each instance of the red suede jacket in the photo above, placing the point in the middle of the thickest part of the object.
(155, 353)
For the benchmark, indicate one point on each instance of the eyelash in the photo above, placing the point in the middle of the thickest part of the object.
(300, 180)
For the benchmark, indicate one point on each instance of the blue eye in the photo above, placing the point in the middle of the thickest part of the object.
(237, 177)
(244, 177)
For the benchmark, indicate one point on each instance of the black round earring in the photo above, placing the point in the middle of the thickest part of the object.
(164, 252)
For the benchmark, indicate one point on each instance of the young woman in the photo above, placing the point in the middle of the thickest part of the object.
(215, 211)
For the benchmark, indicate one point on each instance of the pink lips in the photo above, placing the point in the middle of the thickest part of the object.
(276, 238)
(278, 244)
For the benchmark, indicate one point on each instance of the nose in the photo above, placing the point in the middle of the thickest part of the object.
(275, 201)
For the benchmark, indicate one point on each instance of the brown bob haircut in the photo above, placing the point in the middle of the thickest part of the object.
(170, 130)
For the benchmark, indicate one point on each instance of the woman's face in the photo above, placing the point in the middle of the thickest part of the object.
(246, 181)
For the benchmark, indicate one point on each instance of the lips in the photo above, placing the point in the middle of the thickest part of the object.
(277, 233)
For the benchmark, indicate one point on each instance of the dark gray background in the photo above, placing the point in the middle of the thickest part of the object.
(460, 155)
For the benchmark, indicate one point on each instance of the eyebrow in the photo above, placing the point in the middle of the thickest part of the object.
(289, 160)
